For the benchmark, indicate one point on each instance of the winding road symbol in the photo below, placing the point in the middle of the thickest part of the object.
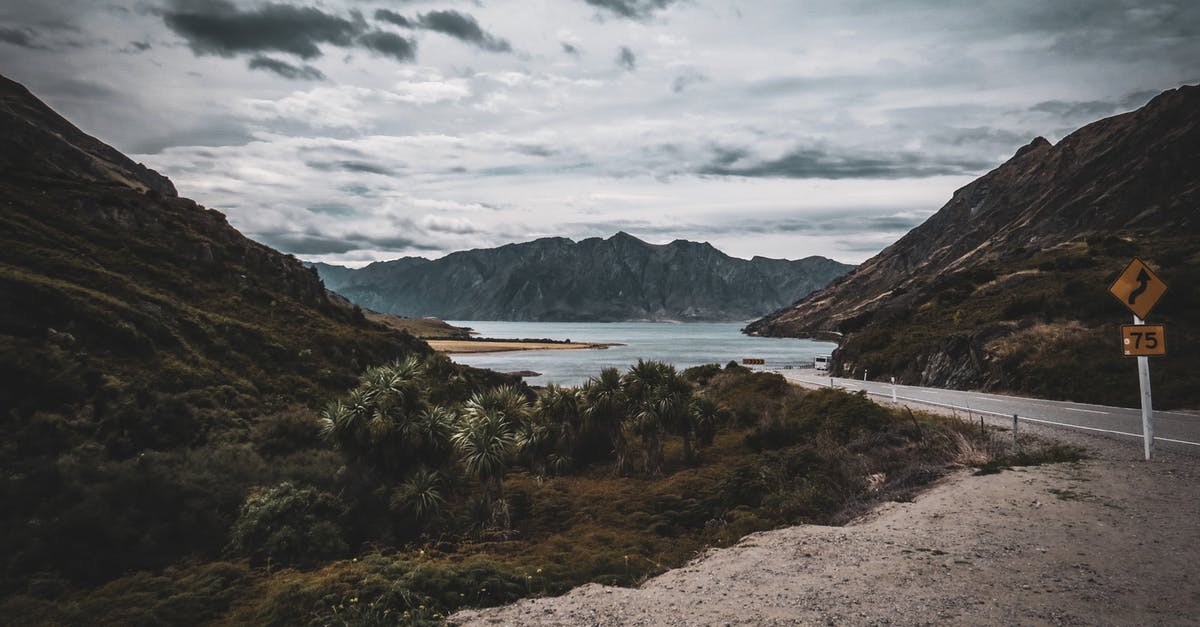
(1143, 279)
(1138, 288)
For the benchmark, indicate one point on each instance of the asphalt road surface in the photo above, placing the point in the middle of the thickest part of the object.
(1172, 429)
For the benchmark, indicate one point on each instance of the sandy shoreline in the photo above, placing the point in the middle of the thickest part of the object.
(451, 347)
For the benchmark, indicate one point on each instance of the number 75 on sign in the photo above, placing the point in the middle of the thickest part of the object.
(1140, 340)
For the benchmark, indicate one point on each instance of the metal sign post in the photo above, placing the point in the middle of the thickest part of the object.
(1147, 405)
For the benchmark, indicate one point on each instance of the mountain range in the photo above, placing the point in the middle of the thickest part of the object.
(1005, 287)
(557, 279)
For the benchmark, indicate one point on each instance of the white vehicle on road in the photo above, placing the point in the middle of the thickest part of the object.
(821, 362)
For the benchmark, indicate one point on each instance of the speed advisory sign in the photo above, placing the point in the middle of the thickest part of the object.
(1143, 340)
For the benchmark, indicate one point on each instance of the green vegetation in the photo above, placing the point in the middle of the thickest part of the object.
(157, 367)
(1030, 328)
(431, 503)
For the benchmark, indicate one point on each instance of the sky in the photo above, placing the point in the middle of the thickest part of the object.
(350, 131)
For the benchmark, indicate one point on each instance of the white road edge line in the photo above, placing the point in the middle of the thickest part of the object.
(1039, 420)
(1089, 411)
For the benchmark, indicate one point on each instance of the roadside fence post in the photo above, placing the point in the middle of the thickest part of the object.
(1016, 444)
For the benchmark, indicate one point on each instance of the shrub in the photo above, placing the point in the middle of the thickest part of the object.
(289, 524)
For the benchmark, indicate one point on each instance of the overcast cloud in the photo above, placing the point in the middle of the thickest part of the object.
(355, 130)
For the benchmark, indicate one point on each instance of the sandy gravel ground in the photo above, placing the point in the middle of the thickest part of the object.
(1109, 541)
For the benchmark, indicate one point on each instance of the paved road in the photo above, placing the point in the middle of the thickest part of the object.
(1177, 430)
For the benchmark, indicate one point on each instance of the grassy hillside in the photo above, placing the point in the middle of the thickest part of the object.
(156, 364)
(1046, 327)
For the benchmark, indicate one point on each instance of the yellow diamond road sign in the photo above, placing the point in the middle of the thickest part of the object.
(1138, 288)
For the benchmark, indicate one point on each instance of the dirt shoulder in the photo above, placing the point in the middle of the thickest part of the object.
(1110, 540)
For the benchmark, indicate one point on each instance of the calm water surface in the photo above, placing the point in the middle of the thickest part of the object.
(682, 344)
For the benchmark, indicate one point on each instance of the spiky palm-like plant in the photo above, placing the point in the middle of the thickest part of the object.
(607, 408)
(422, 495)
(659, 397)
(386, 425)
(551, 432)
(705, 418)
(485, 439)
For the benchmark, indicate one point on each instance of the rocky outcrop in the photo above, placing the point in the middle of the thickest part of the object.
(619, 278)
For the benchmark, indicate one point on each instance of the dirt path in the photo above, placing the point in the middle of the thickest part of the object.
(1109, 541)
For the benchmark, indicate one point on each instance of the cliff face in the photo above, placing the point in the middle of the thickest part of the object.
(1027, 251)
(619, 278)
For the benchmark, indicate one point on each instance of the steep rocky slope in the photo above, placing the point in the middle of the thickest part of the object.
(142, 342)
(619, 278)
(1005, 287)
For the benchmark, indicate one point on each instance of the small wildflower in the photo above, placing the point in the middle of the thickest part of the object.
(354, 600)
(436, 615)
(539, 571)
(354, 560)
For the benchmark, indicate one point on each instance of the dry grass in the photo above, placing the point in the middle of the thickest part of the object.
(423, 328)
(1042, 334)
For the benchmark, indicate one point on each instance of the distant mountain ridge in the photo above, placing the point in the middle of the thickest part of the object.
(1005, 287)
(558, 279)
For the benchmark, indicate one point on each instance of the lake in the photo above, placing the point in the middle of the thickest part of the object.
(682, 344)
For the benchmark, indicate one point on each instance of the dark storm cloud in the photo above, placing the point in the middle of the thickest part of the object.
(632, 9)
(980, 136)
(389, 44)
(22, 37)
(332, 210)
(464, 28)
(310, 242)
(202, 131)
(1090, 109)
(384, 15)
(569, 49)
(823, 223)
(626, 59)
(535, 150)
(1136, 99)
(809, 163)
(842, 222)
(364, 167)
(286, 70)
(141, 46)
(219, 27)
(683, 81)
